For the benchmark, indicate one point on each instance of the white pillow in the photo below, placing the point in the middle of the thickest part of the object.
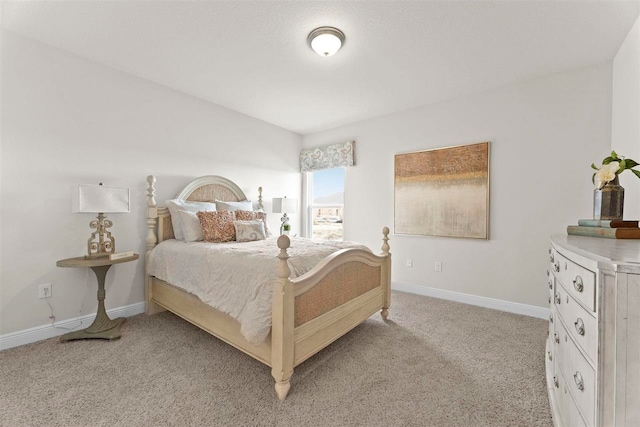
(249, 231)
(176, 205)
(191, 228)
(245, 205)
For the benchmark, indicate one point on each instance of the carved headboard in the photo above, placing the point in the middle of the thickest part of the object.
(204, 189)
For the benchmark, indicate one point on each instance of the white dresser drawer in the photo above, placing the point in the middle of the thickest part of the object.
(550, 348)
(581, 324)
(559, 390)
(551, 285)
(569, 414)
(575, 418)
(579, 281)
(579, 375)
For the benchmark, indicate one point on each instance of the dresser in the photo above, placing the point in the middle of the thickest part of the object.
(593, 349)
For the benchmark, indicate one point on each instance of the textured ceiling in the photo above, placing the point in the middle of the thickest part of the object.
(253, 57)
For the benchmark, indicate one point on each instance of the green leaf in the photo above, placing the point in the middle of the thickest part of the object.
(607, 160)
(593, 178)
(593, 166)
(631, 163)
(636, 172)
(623, 166)
(614, 155)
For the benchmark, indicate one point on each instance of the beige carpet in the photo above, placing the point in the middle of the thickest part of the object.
(436, 363)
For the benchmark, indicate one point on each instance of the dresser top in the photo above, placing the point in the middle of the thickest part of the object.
(618, 251)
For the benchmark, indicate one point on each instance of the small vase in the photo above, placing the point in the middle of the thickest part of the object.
(608, 202)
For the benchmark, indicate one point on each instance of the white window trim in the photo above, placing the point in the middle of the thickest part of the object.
(307, 189)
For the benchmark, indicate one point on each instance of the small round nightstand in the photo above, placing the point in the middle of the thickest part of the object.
(102, 327)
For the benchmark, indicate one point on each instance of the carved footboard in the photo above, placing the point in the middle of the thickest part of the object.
(313, 310)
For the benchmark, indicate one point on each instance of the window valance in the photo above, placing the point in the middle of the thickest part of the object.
(328, 157)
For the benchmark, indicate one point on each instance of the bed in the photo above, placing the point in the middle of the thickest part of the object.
(308, 312)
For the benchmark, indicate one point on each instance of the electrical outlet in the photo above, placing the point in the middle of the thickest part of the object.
(44, 291)
(438, 266)
(409, 262)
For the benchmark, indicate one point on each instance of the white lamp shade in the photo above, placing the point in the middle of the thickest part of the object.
(284, 205)
(99, 199)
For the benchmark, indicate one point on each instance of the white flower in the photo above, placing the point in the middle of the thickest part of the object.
(606, 173)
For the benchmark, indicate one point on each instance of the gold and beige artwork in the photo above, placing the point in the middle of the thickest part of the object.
(443, 192)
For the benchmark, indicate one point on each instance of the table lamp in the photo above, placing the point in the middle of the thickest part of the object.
(100, 199)
(284, 205)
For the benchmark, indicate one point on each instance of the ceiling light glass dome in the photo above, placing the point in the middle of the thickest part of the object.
(326, 41)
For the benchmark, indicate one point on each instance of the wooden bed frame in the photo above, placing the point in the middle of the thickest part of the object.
(308, 312)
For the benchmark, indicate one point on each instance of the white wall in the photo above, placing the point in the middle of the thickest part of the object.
(544, 135)
(67, 120)
(625, 115)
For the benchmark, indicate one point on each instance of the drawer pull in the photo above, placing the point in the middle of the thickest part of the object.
(558, 299)
(549, 354)
(577, 284)
(555, 381)
(578, 379)
(557, 338)
(551, 258)
(556, 267)
(550, 284)
(579, 324)
(549, 300)
(551, 318)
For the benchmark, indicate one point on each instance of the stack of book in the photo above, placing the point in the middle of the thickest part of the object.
(609, 229)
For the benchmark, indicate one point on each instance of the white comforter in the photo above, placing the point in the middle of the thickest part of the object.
(236, 278)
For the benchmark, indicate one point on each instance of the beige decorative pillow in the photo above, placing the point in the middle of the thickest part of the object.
(217, 226)
(249, 231)
(242, 215)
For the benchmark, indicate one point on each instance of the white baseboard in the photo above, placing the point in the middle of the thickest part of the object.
(44, 332)
(496, 304)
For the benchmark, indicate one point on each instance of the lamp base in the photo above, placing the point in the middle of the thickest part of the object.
(101, 244)
(284, 227)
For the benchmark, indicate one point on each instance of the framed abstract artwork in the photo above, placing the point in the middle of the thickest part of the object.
(443, 192)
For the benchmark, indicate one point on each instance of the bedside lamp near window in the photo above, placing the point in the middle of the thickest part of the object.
(100, 199)
(284, 205)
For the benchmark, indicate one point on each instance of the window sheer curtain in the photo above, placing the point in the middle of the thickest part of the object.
(316, 159)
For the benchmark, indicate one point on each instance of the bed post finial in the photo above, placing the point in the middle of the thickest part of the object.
(385, 240)
(260, 206)
(152, 213)
(283, 243)
(282, 320)
(386, 275)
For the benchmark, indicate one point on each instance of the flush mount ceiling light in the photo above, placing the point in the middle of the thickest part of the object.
(326, 41)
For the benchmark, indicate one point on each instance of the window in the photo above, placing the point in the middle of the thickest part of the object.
(326, 204)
